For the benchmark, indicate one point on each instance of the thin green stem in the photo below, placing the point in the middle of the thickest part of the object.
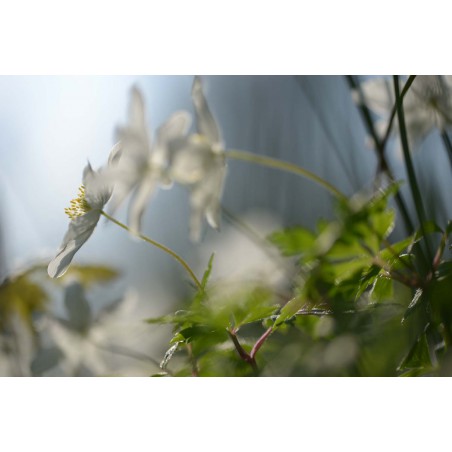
(409, 164)
(284, 166)
(405, 89)
(173, 254)
(381, 144)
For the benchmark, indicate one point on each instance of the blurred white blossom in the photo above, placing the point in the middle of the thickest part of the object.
(84, 212)
(427, 104)
(246, 257)
(198, 162)
(88, 342)
(16, 349)
(141, 165)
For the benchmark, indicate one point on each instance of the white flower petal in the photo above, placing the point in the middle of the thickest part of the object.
(175, 127)
(98, 188)
(191, 160)
(115, 154)
(137, 118)
(206, 123)
(139, 201)
(80, 230)
(205, 198)
(378, 95)
(213, 211)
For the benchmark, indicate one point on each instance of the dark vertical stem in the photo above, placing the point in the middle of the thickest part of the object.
(194, 364)
(381, 144)
(448, 145)
(409, 164)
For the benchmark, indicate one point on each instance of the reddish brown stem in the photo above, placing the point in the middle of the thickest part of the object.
(241, 351)
(194, 366)
(260, 342)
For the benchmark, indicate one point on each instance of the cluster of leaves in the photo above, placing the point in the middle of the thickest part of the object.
(360, 305)
(215, 314)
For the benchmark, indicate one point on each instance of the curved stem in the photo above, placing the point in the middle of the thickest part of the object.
(173, 254)
(285, 166)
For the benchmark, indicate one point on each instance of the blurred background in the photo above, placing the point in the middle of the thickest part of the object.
(51, 126)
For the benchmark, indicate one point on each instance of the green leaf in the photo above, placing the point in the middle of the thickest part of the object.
(382, 289)
(290, 309)
(383, 223)
(23, 297)
(418, 357)
(206, 275)
(293, 241)
(428, 227)
(415, 303)
(253, 306)
(90, 274)
(392, 253)
(344, 270)
(444, 271)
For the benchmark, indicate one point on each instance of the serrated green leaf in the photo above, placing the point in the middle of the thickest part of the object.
(206, 275)
(290, 309)
(293, 241)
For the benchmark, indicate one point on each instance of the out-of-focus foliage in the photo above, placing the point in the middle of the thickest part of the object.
(80, 340)
(356, 306)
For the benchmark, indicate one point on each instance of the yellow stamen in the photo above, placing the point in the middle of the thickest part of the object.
(78, 206)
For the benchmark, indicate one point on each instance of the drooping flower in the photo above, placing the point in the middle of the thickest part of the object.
(141, 165)
(427, 104)
(198, 162)
(84, 212)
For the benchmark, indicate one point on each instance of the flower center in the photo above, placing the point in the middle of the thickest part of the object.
(79, 206)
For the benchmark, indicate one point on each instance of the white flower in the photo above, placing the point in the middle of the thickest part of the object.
(84, 212)
(199, 163)
(88, 341)
(141, 166)
(427, 104)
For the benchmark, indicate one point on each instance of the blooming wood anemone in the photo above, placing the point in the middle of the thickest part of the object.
(141, 165)
(427, 104)
(198, 162)
(84, 212)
